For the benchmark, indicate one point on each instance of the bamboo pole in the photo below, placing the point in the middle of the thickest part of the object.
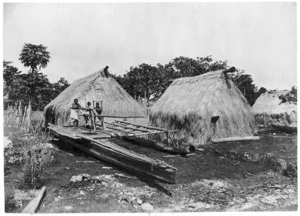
(102, 119)
(29, 116)
(24, 115)
(92, 117)
(13, 119)
(20, 114)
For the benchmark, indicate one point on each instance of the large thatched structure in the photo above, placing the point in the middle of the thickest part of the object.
(192, 105)
(269, 109)
(95, 87)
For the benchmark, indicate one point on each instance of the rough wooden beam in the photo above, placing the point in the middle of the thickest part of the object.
(35, 202)
(127, 127)
(235, 139)
(150, 127)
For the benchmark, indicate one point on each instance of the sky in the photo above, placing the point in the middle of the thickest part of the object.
(260, 38)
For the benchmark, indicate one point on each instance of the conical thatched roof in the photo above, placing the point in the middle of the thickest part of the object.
(269, 109)
(189, 104)
(95, 87)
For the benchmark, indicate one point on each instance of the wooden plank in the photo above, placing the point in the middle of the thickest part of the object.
(235, 139)
(92, 138)
(66, 133)
(124, 132)
(111, 116)
(150, 127)
(132, 133)
(132, 127)
(34, 203)
(103, 136)
(115, 154)
(149, 133)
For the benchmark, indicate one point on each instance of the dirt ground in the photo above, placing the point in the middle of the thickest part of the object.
(204, 182)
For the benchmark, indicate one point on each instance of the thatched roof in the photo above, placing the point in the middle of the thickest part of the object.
(189, 104)
(94, 87)
(269, 109)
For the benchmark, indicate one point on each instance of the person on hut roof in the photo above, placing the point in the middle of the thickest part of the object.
(106, 73)
(75, 111)
(86, 113)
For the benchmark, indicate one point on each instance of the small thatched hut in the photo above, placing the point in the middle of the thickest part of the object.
(95, 87)
(202, 108)
(269, 109)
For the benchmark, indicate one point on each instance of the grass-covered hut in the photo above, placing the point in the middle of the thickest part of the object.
(202, 108)
(94, 87)
(272, 109)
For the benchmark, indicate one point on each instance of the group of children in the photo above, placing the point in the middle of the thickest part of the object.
(75, 111)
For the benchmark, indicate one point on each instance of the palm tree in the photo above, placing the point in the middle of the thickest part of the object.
(34, 56)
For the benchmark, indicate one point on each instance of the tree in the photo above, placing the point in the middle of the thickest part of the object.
(10, 76)
(151, 82)
(34, 56)
(245, 83)
(290, 96)
(142, 81)
(59, 86)
(36, 89)
(35, 85)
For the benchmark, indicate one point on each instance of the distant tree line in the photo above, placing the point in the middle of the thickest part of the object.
(33, 86)
(150, 82)
(142, 81)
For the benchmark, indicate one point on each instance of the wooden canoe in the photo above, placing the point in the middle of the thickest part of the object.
(110, 152)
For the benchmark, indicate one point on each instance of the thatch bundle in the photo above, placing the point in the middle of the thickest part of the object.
(95, 87)
(190, 103)
(270, 110)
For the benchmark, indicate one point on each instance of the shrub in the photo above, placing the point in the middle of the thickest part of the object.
(30, 152)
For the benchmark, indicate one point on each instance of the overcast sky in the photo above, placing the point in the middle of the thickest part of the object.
(82, 38)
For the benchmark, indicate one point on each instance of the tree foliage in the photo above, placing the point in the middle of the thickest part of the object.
(34, 56)
(35, 88)
(10, 76)
(291, 96)
(150, 82)
(27, 86)
(142, 81)
(59, 87)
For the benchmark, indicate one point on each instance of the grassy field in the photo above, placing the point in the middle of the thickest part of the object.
(204, 181)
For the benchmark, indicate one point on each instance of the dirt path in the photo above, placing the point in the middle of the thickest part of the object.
(204, 182)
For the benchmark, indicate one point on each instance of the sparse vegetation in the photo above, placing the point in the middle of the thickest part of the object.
(291, 96)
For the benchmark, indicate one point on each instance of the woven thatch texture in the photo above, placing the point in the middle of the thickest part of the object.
(95, 87)
(189, 103)
(269, 110)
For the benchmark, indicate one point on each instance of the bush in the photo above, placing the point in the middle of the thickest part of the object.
(30, 152)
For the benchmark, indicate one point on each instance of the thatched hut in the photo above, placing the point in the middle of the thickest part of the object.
(95, 87)
(202, 108)
(269, 109)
